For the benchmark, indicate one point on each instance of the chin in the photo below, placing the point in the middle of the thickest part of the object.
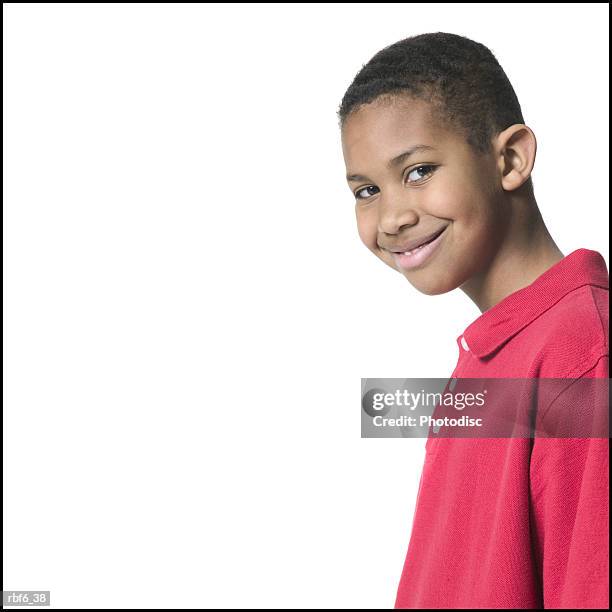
(433, 286)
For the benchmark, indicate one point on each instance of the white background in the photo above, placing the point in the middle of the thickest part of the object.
(188, 309)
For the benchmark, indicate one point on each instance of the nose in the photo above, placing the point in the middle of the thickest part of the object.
(394, 216)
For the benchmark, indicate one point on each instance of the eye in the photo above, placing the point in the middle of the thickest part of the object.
(425, 170)
(429, 168)
(364, 189)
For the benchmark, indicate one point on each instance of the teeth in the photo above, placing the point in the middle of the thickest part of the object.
(414, 250)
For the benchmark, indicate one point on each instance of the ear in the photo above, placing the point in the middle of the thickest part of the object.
(516, 151)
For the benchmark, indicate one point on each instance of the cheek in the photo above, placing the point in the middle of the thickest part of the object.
(453, 198)
(468, 207)
(366, 226)
(477, 234)
(479, 222)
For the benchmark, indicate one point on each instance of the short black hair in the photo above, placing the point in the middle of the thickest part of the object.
(463, 80)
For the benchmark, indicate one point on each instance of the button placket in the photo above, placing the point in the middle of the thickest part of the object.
(452, 383)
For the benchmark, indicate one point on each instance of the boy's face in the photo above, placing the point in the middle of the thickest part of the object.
(448, 189)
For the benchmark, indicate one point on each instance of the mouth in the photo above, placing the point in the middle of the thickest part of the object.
(416, 255)
(414, 245)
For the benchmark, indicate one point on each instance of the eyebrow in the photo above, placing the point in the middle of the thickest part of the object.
(398, 159)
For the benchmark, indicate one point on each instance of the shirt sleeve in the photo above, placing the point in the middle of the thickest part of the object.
(569, 488)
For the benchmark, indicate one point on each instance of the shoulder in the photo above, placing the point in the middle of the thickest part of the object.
(573, 333)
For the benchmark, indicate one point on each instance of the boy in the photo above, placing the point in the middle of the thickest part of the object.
(439, 160)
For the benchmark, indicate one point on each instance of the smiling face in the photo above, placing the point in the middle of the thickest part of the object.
(443, 186)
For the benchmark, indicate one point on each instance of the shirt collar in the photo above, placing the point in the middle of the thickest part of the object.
(517, 310)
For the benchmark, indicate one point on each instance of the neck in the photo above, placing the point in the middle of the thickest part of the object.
(526, 252)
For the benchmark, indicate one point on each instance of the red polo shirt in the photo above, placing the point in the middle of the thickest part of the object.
(519, 522)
